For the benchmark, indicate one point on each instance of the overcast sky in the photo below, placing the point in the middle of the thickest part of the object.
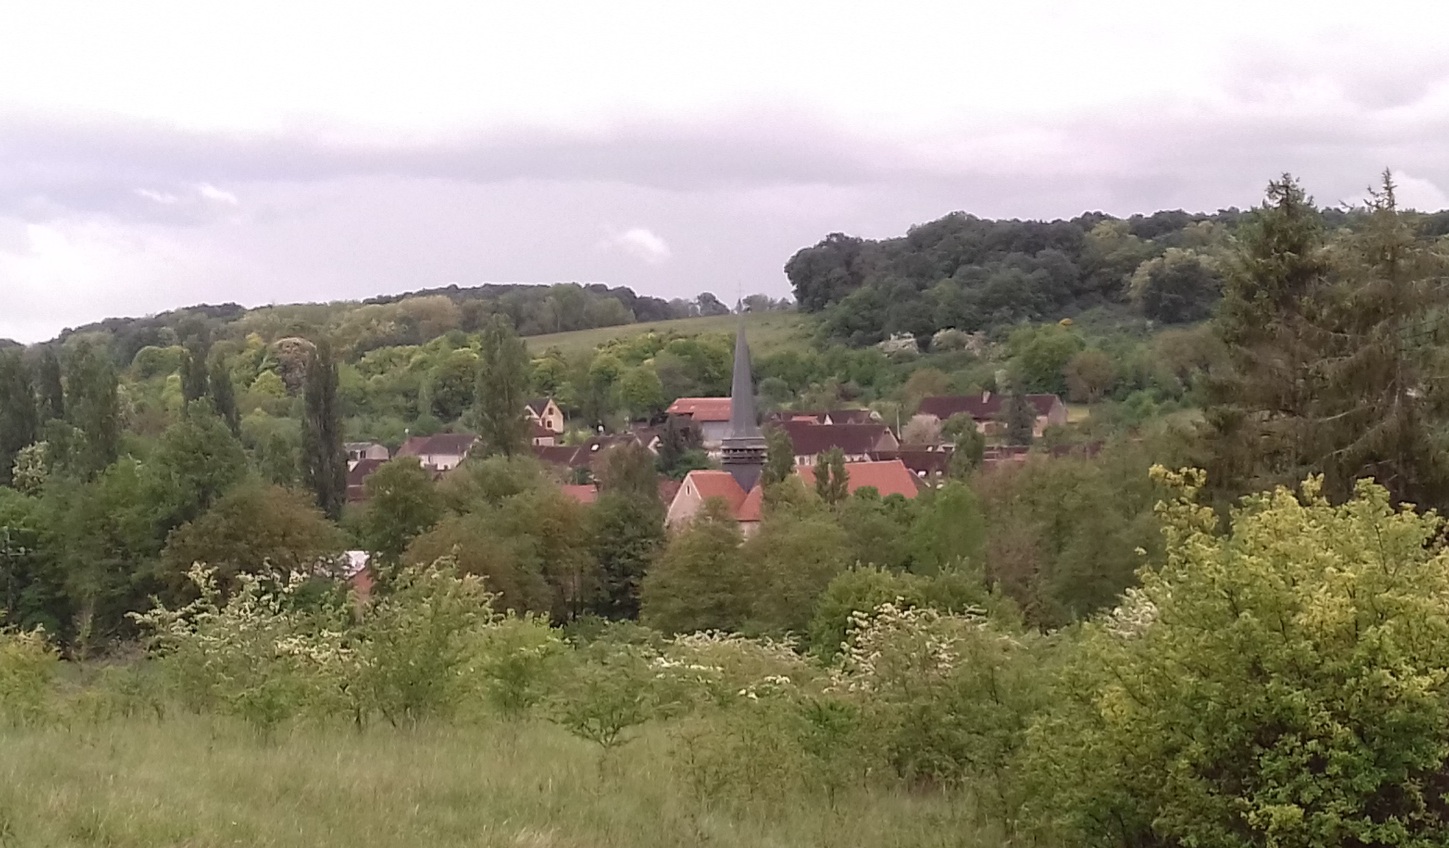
(156, 155)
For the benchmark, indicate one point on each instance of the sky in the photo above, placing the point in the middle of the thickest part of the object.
(161, 154)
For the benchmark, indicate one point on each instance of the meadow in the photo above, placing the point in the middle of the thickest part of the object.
(769, 331)
(197, 781)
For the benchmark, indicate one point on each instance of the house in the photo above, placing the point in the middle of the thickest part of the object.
(856, 441)
(358, 451)
(588, 493)
(710, 414)
(888, 477)
(833, 416)
(541, 435)
(930, 465)
(357, 474)
(546, 414)
(986, 410)
(444, 451)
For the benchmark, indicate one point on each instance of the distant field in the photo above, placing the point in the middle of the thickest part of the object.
(767, 331)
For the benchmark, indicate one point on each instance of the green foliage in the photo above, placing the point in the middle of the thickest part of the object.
(1283, 685)
(627, 469)
(502, 390)
(402, 504)
(832, 480)
(1178, 287)
(608, 693)
(779, 457)
(520, 659)
(1039, 357)
(950, 528)
(1018, 420)
(324, 464)
(92, 406)
(700, 581)
(28, 667)
(793, 557)
(19, 420)
(626, 534)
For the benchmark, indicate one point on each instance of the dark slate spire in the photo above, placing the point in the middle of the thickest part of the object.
(743, 450)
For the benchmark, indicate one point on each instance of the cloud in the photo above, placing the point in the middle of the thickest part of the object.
(1418, 193)
(212, 193)
(642, 244)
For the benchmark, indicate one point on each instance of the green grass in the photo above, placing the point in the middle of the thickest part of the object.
(768, 331)
(199, 783)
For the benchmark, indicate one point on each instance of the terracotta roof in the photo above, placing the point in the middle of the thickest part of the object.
(718, 484)
(583, 494)
(982, 407)
(889, 477)
(752, 508)
(702, 409)
(449, 444)
(814, 439)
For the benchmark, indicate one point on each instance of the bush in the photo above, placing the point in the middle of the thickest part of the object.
(28, 664)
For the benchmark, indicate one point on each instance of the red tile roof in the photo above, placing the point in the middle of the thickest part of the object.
(718, 484)
(752, 508)
(890, 477)
(702, 409)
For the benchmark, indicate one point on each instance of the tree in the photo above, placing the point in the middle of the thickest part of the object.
(1178, 287)
(324, 464)
(195, 462)
(254, 528)
(453, 385)
(795, 556)
(1019, 418)
(19, 423)
(642, 393)
(950, 528)
(402, 504)
(629, 470)
(1193, 714)
(502, 390)
(1258, 412)
(223, 395)
(779, 457)
(831, 478)
(700, 581)
(1089, 373)
(49, 393)
(94, 410)
(193, 372)
(626, 533)
(968, 444)
(921, 430)
(924, 383)
(1039, 356)
(677, 439)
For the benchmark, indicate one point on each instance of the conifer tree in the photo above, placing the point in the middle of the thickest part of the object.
(502, 390)
(18, 419)
(324, 462)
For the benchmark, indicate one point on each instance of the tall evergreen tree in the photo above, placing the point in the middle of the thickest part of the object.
(18, 417)
(502, 390)
(831, 479)
(223, 395)
(93, 408)
(50, 394)
(324, 462)
(1382, 403)
(193, 372)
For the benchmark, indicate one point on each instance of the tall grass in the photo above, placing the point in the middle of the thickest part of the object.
(191, 781)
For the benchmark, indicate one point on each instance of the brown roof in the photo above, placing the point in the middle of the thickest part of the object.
(702, 409)
(539, 431)
(814, 439)
(449, 444)
(920, 461)
(851, 416)
(569, 456)
(890, 477)
(538, 405)
(359, 473)
(982, 407)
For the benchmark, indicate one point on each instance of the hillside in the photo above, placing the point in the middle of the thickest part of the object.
(768, 332)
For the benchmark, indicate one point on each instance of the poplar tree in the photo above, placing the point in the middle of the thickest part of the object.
(93, 408)
(223, 396)
(779, 457)
(1020, 420)
(50, 394)
(324, 462)
(193, 372)
(18, 417)
(502, 390)
(831, 479)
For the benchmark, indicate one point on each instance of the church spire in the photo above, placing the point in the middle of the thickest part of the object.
(743, 449)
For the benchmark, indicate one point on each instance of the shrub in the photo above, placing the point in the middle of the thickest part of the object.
(28, 664)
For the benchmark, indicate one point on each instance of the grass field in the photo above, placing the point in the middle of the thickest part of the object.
(767, 331)
(198, 783)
